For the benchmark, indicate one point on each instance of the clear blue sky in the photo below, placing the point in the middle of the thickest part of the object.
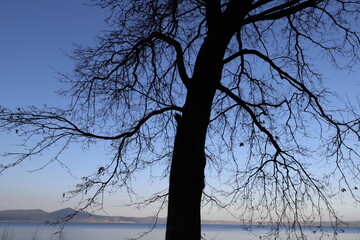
(35, 35)
(35, 38)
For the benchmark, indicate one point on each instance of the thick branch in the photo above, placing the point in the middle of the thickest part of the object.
(244, 105)
(179, 56)
(281, 11)
(10, 120)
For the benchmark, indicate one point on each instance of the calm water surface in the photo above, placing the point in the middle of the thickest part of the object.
(117, 231)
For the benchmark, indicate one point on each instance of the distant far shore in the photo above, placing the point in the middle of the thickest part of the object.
(38, 215)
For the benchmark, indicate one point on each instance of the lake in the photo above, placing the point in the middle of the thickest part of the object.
(117, 231)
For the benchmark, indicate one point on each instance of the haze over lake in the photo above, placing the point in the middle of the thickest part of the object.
(116, 231)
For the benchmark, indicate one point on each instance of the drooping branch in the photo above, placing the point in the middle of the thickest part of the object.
(55, 122)
(55, 126)
(252, 115)
(288, 173)
(292, 81)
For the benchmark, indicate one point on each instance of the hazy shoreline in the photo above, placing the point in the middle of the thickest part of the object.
(38, 215)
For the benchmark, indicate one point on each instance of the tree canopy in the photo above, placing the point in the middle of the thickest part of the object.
(231, 85)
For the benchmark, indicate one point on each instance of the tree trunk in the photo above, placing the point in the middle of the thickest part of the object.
(187, 177)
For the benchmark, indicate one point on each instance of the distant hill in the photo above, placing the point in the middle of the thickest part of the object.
(23, 215)
(38, 215)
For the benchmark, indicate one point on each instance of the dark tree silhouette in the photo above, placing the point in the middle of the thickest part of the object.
(198, 83)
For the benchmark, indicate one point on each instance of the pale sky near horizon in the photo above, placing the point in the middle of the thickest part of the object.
(35, 37)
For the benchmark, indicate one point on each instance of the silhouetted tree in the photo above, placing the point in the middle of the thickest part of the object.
(199, 83)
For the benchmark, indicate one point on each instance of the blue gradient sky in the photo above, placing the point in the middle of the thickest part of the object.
(35, 37)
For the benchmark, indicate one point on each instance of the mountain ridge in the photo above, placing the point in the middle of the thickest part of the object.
(39, 215)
